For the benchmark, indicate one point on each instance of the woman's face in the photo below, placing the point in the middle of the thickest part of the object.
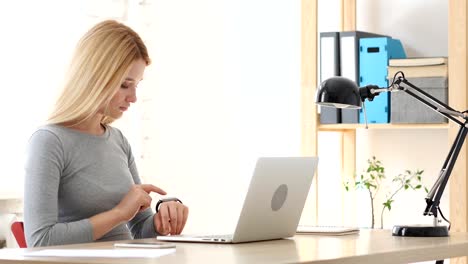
(126, 94)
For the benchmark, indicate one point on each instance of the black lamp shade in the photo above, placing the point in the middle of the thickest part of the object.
(339, 92)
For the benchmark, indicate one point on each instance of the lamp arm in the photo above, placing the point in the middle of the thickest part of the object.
(435, 194)
(461, 118)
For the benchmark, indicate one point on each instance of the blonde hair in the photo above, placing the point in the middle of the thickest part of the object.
(101, 61)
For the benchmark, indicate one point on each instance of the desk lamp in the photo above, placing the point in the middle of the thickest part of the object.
(340, 92)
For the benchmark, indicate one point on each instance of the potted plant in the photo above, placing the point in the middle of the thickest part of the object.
(373, 179)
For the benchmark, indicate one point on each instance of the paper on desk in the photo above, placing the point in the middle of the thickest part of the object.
(101, 253)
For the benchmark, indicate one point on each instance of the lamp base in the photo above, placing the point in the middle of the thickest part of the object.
(420, 231)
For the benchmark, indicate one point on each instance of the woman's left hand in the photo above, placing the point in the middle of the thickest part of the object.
(171, 218)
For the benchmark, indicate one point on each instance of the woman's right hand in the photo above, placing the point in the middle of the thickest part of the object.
(137, 199)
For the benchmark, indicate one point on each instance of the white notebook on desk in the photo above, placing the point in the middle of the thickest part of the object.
(326, 230)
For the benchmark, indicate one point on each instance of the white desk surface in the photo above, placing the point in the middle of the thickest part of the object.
(369, 246)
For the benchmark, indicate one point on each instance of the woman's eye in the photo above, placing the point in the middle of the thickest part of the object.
(125, 86)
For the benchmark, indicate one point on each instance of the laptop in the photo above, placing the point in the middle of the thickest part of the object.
(273, 204)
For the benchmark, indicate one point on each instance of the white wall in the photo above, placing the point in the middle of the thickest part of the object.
(421, 25)
(223, 90)
(35, 47)
(38, 38)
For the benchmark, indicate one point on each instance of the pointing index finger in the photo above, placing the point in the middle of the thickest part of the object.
(151, 188)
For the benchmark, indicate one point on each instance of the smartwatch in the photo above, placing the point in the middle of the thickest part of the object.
(166, 200)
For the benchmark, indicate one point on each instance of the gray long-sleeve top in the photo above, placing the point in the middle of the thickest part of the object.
(71, 176)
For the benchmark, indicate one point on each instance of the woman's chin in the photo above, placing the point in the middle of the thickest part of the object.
(116, 115)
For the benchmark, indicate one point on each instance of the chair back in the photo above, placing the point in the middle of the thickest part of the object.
(17, 228)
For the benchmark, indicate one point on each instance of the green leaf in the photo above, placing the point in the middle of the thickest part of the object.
(388, 204)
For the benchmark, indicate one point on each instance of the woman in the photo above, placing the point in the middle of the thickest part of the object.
(82, 183)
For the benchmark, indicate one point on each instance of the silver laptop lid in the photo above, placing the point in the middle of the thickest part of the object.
(273, 204)
(275, 198)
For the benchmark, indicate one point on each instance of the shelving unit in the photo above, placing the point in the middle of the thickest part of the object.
(458, 99)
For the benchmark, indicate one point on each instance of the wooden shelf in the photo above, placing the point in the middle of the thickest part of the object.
(340, 127)
(457, 96)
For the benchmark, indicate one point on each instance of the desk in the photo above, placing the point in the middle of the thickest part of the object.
(370, 246)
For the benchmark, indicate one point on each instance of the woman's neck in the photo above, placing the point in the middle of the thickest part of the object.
(91, 126)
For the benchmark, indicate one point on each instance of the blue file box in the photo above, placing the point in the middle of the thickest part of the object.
(374, 54)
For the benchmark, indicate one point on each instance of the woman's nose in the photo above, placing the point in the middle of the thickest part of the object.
(132, 98)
